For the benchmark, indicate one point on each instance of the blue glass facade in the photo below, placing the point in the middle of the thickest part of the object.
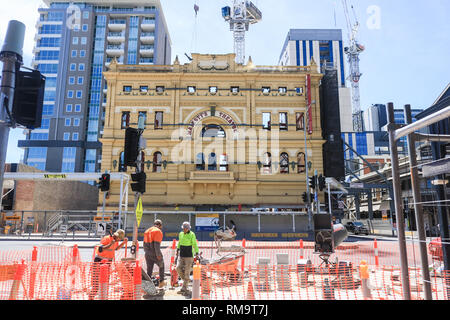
(133, 40)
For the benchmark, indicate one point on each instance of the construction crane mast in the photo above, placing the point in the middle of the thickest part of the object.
(240, 17)
(353, 51)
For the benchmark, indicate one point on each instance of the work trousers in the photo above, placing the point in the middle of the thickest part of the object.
(151, 261)
(184, 268)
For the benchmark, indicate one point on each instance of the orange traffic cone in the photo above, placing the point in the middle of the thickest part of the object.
(250, 292)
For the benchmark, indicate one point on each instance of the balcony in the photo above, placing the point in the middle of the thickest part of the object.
(147, 50)
(147, 37)
(115, 50)
(116, 37)
(148, 25)
(117, 24)
(212, 177)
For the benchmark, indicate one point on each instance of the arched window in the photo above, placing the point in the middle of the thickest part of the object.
(157, 161)
(212, 162)
(267, 163)
(200, 162)
(213, 131)
(122, 166)
(284, 163)
(301, 165)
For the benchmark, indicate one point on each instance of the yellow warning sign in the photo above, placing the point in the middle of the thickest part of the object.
(139, 212)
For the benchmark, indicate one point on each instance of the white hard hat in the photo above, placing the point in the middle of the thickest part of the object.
(186, 225)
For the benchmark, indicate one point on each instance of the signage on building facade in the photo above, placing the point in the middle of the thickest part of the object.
(206, 114)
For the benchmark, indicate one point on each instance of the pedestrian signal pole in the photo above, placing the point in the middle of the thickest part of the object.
(11, 57)
(139, 177)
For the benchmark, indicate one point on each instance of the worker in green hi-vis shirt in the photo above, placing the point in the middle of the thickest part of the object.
(186, 249)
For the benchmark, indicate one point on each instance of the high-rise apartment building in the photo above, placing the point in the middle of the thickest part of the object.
(326, 47)
(75, 43)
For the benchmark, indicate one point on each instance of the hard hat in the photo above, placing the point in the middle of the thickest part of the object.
(158, 222)
(186, 225)
(120, 234)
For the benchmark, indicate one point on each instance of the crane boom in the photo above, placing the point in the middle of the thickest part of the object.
(240, 17)
(353, 51)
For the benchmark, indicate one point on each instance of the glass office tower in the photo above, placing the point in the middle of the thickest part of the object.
(74, 45)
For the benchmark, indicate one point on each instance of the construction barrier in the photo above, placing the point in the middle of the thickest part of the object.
(271, 270)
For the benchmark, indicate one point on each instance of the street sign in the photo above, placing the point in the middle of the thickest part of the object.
(206, 222)
(96, 219)
(55, 176)
(101, 228)
(63, 228)
(139, 211)
(12, 218)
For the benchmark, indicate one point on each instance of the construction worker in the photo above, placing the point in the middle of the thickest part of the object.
(153, 237)
(105, 251)
(186, 249)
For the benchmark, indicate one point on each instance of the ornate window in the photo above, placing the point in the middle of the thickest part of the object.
(284, 163)
(267, 163)
(157, 162)
(213, 131)
(301, 165)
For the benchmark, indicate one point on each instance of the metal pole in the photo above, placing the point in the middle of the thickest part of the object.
(418, 208)
(308, 194)
(329, 198)
(397, 202)
(422, 123)
(11, 56)
(120, 204)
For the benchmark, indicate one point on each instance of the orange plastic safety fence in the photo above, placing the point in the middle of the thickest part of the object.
(70, 281)
(287, 282)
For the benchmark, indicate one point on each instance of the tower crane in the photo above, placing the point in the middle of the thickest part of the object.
(240, 17)
(353, 51)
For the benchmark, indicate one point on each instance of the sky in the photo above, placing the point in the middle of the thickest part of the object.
(407, 42)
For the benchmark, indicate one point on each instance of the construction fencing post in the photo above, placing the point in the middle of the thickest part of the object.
(364, 274)
(196, 281)
(104, 280)
(17, 280)
(33, 272)
(243, 257)
(301, 249)
(375, 249)
(137, 282)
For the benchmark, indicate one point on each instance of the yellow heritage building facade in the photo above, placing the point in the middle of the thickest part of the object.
(219, 135)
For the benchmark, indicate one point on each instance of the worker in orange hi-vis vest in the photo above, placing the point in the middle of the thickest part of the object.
(106, 251)
(153, 237)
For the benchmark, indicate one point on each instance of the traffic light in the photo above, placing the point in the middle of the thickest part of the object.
(104, 183)
(305, 197)
(321, 181)
(312, 182)
(28, 98)
(140, 179)
(131, 150)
